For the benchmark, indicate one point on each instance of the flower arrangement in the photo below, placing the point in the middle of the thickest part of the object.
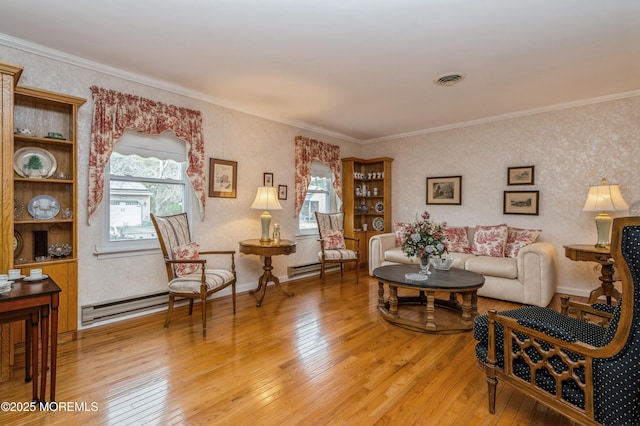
(424, 237)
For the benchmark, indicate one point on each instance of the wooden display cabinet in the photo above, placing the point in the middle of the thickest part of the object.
(366, 193)
(42, 112)
(45, 200)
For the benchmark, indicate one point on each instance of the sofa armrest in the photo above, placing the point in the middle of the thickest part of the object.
(537, 270)
(378, 244)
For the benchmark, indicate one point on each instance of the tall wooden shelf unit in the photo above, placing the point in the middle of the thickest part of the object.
(42, 112)
(366, 193)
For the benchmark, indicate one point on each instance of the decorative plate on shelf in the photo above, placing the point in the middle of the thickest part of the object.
(43, 207)
(17, 243)
(32, 158)
(378, 224)
(379, 207)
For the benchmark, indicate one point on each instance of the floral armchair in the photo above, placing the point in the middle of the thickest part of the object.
(589, 372)
(333, 247)
(187, 273)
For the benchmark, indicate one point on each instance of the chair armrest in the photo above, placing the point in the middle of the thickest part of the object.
(218, 252)
(356, 243)
(231, 253)
(203, 261)
(581, 309)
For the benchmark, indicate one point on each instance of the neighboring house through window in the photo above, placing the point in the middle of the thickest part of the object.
(145, 174)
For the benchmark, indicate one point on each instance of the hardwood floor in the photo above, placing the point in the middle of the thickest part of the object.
(323, 357)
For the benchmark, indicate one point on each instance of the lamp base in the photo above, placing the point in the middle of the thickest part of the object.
(265, 219)
(603, 226)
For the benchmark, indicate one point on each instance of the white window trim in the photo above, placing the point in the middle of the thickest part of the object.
(111, 249)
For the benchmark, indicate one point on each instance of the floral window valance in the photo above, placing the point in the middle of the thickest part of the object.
(115, 112)
(308, 151)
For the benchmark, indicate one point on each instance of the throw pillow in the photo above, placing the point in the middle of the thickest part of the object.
(187, 251)
(518, 238)
(457, 239)
(489, 240)
(399, 230)
(333, 239)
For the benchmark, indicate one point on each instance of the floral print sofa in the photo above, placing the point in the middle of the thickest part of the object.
(516, 266)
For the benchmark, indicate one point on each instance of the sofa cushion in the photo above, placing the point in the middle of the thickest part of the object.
(399, 228)
(397, 255)
(518, 238)
(490, 240)
(457, 239)
(502, 267)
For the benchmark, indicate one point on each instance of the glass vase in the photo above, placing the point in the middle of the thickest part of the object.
(424, 264)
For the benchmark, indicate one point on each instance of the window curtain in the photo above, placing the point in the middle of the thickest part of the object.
(115, 112)
(308, 151)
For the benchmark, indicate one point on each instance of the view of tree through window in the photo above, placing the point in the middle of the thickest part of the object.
(141, 186)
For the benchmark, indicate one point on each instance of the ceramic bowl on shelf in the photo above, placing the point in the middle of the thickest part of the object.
(443, 264)
(23, 131)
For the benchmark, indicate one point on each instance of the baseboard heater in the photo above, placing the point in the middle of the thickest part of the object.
(117, 308)
(293, 271)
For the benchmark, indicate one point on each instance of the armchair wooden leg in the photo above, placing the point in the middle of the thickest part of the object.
(204, 317)
(190, 306)
(358, 272)
(233, 295)
(491, 392)
(322, 270)
(169, 310)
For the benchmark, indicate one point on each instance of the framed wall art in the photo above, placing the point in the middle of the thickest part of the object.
(282, 192)
(444, 190)
(223, 178)
(267, 179)
(521, 202)
(520, 175)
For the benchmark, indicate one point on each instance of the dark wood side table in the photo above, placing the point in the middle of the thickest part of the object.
(267, 250)
(35, 300)
(590, 253)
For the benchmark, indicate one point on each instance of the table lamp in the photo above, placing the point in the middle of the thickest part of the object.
(604, 198)
(266, 199)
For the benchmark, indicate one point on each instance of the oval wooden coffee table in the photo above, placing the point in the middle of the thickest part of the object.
(453, 316)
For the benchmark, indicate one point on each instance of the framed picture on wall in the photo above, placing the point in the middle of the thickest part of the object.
(521, 202)
(520, 175)
(222, 178)
(267, 179)
(282, 192)
(444, 190)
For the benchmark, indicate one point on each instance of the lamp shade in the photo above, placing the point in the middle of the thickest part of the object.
(604, 198)
(266, 199)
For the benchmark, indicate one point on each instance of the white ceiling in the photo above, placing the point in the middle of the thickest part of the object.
(361, 69)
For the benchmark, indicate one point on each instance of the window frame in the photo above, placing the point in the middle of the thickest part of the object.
(133, 245)
(331, 195)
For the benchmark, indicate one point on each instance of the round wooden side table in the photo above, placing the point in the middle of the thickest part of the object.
(267, 250)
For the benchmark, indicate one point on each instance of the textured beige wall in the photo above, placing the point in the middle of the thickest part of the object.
(570, 149)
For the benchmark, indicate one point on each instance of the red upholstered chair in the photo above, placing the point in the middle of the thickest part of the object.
(186, 271)
(333, 243)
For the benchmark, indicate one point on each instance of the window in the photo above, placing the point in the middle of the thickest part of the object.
(320, 198)
(145, 174)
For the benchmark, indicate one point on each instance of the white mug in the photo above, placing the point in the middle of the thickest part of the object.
(35, 273)
(364, 226)
(4, 278)
(14, 274)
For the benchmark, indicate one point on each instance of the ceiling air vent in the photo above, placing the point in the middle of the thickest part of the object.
(448, 79)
